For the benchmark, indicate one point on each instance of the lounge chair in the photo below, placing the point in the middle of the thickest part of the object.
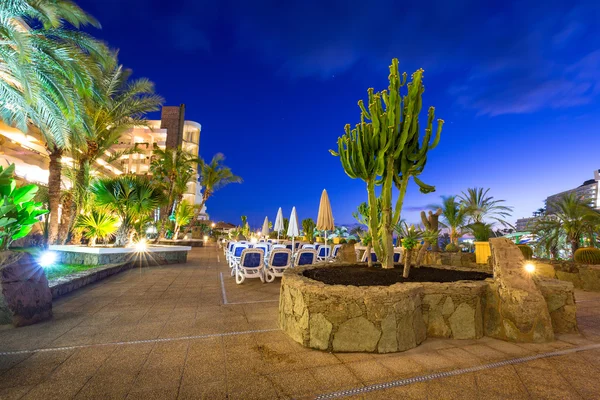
(279, 260)
(306, 257)
(365, 255)
(336, 251)
(308, 246)
(323, 253)
(251, 266)
(236, 256)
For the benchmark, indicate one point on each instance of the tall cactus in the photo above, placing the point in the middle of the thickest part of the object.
(384, 150)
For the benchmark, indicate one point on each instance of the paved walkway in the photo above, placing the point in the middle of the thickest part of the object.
(188, 332)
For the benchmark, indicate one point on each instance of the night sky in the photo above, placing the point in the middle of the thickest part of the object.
(273, 83)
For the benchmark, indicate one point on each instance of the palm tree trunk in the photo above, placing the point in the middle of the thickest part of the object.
(80, 186)
(194, 220)
(574, 247)
(122, 235)
(65, 218)
(54, 182)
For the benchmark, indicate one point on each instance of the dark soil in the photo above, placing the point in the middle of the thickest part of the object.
(377, 276)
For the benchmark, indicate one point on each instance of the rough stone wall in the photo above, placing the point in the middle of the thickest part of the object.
(515, 308)
(586, 277)
(452, 310)
(145, 259)
(465, 260)
(348, 318)
(66, 284)
(560, 300)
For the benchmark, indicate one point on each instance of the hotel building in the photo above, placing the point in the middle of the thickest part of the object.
(29, 154)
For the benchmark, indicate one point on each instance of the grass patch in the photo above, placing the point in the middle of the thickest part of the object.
(57, 270)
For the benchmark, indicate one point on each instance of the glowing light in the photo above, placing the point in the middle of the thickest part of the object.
(205, 238)
(141, 245)
(47, 259)
(254, 240)
(213, 225)
(529, 267)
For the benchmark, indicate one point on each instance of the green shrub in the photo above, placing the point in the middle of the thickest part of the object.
(452, 248)
(526, 250)
(97, 225)
(351, 241)
(18, 211)
(273, 235)
(587, 255)
(343, 241)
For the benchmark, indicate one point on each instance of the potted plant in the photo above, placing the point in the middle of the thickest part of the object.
(482, 233)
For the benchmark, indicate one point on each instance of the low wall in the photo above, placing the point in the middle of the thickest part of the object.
(394, 318)
(586, 277)
(153, 255)
(68, 283)
(458, 259)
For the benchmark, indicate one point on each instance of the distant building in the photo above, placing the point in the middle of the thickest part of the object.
(588, 191)
(525, 224)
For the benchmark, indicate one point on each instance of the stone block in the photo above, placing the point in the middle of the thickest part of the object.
(26, 297)
(356, 334)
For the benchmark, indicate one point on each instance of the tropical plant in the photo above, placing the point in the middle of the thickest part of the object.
(387, 152)
(479, 206)
(98, 224)
(172, 170)
(587, 255)
(120, 104)
(18, 211)
(410, 239)
(454, 217)
(183, 215)
(308, 226)
(452, 248)
(130, 197)
(430, 238)
(573, 217)
(213, 176)
(526, 251)
(480, 231)
(46, 72)
(431, 223)
(362, 216)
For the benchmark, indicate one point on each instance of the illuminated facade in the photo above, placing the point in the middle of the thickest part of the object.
(29, 154)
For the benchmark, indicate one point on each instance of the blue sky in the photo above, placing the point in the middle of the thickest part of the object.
(273, 84)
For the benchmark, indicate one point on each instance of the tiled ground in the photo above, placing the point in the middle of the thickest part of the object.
(200, 357)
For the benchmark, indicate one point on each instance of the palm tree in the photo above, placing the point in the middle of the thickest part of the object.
(213, 176)
(130, 197)
(172, 170)
(121, 104)
(46, 70)
(454, 216)
(183, 215)
(410, 238)
(479, 206)
(97, 225)
(573, 217)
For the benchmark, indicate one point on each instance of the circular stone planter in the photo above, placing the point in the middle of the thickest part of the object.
(380, 319)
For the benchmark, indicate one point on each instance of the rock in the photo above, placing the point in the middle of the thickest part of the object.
(545, 270)
(561, 304)
(356, 334)
(515, 308)
(320, 331)
(26, 297)
(389, 341)
(462, 322)
(432, 299)
(347, 253)
(448, 307)
(436, 325)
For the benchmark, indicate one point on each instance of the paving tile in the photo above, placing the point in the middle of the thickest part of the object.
(335, 377)
(209, 391)
(370, 371)
(156, 394)
(295, 383)
(14, 393)
(59, 390)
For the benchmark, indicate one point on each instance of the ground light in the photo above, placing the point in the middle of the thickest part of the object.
(530, 268)
(141, 246)
(47, 259)
(205, 239)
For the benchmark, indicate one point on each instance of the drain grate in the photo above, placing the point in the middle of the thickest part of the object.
(424, 378)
